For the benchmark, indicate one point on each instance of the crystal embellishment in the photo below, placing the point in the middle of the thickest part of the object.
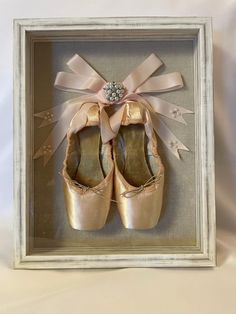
(48, 116)
(114, 91)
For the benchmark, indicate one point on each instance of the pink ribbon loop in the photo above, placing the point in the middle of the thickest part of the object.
(78, 65)
(161, 83)
(77, 83)
(138, 84)
(139, 75)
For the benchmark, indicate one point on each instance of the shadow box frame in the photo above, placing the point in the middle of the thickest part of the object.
(197, 29)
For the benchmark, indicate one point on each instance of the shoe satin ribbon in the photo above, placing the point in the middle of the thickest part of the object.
(139, 86)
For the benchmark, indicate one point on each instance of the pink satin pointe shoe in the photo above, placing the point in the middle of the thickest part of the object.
(87, 173)
(139, 173)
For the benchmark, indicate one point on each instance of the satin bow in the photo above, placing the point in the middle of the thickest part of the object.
(139, 85)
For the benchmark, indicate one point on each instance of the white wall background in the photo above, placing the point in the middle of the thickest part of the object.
(130, 291)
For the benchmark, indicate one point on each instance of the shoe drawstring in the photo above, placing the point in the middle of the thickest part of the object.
(127, 194)
(149, 182)
(85, 188)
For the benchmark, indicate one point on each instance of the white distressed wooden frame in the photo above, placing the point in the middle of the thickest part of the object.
(199, 29)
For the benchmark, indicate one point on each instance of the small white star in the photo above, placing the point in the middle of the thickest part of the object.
(175, 112)
(174, 144)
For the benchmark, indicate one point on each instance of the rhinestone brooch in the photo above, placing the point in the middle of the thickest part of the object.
(114, 91)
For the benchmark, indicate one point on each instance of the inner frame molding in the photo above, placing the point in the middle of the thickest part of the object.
(28, 31)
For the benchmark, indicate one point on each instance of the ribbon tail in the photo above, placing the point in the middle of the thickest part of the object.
(167, 109)
(106, 131)
(54, 114)
(58, 133)
(52, 142)
(49, 116)
(116, 120)
(168, 138)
